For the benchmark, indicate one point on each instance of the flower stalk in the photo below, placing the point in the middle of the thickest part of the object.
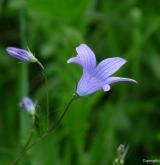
(75, 96)
(29, 145)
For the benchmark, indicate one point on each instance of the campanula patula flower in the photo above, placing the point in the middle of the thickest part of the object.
(96, 77)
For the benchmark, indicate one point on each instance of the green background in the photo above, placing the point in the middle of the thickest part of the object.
(97, 124)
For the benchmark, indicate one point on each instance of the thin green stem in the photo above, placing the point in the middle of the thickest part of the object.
(24, 148)
(48, 132)
(47, 94)
(47, 99)
(75, 96)
(29, 140)
(40, 64)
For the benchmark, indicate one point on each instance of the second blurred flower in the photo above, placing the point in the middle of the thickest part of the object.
(28, 105)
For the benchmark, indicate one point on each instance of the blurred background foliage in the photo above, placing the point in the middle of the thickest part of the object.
(95, 125)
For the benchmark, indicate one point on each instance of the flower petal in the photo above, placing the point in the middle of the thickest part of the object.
(111, 80)
(106, 87)
(108, 66)
(87, 85)
(86, 58)
(75, 60)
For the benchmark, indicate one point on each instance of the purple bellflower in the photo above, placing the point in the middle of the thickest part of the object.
(28, 105)
(22, 55)
(97, 77)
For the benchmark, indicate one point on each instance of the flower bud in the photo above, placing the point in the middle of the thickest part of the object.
(28, 105)
(22, 55)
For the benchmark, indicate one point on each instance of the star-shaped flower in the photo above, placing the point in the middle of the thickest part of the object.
(97, 77)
